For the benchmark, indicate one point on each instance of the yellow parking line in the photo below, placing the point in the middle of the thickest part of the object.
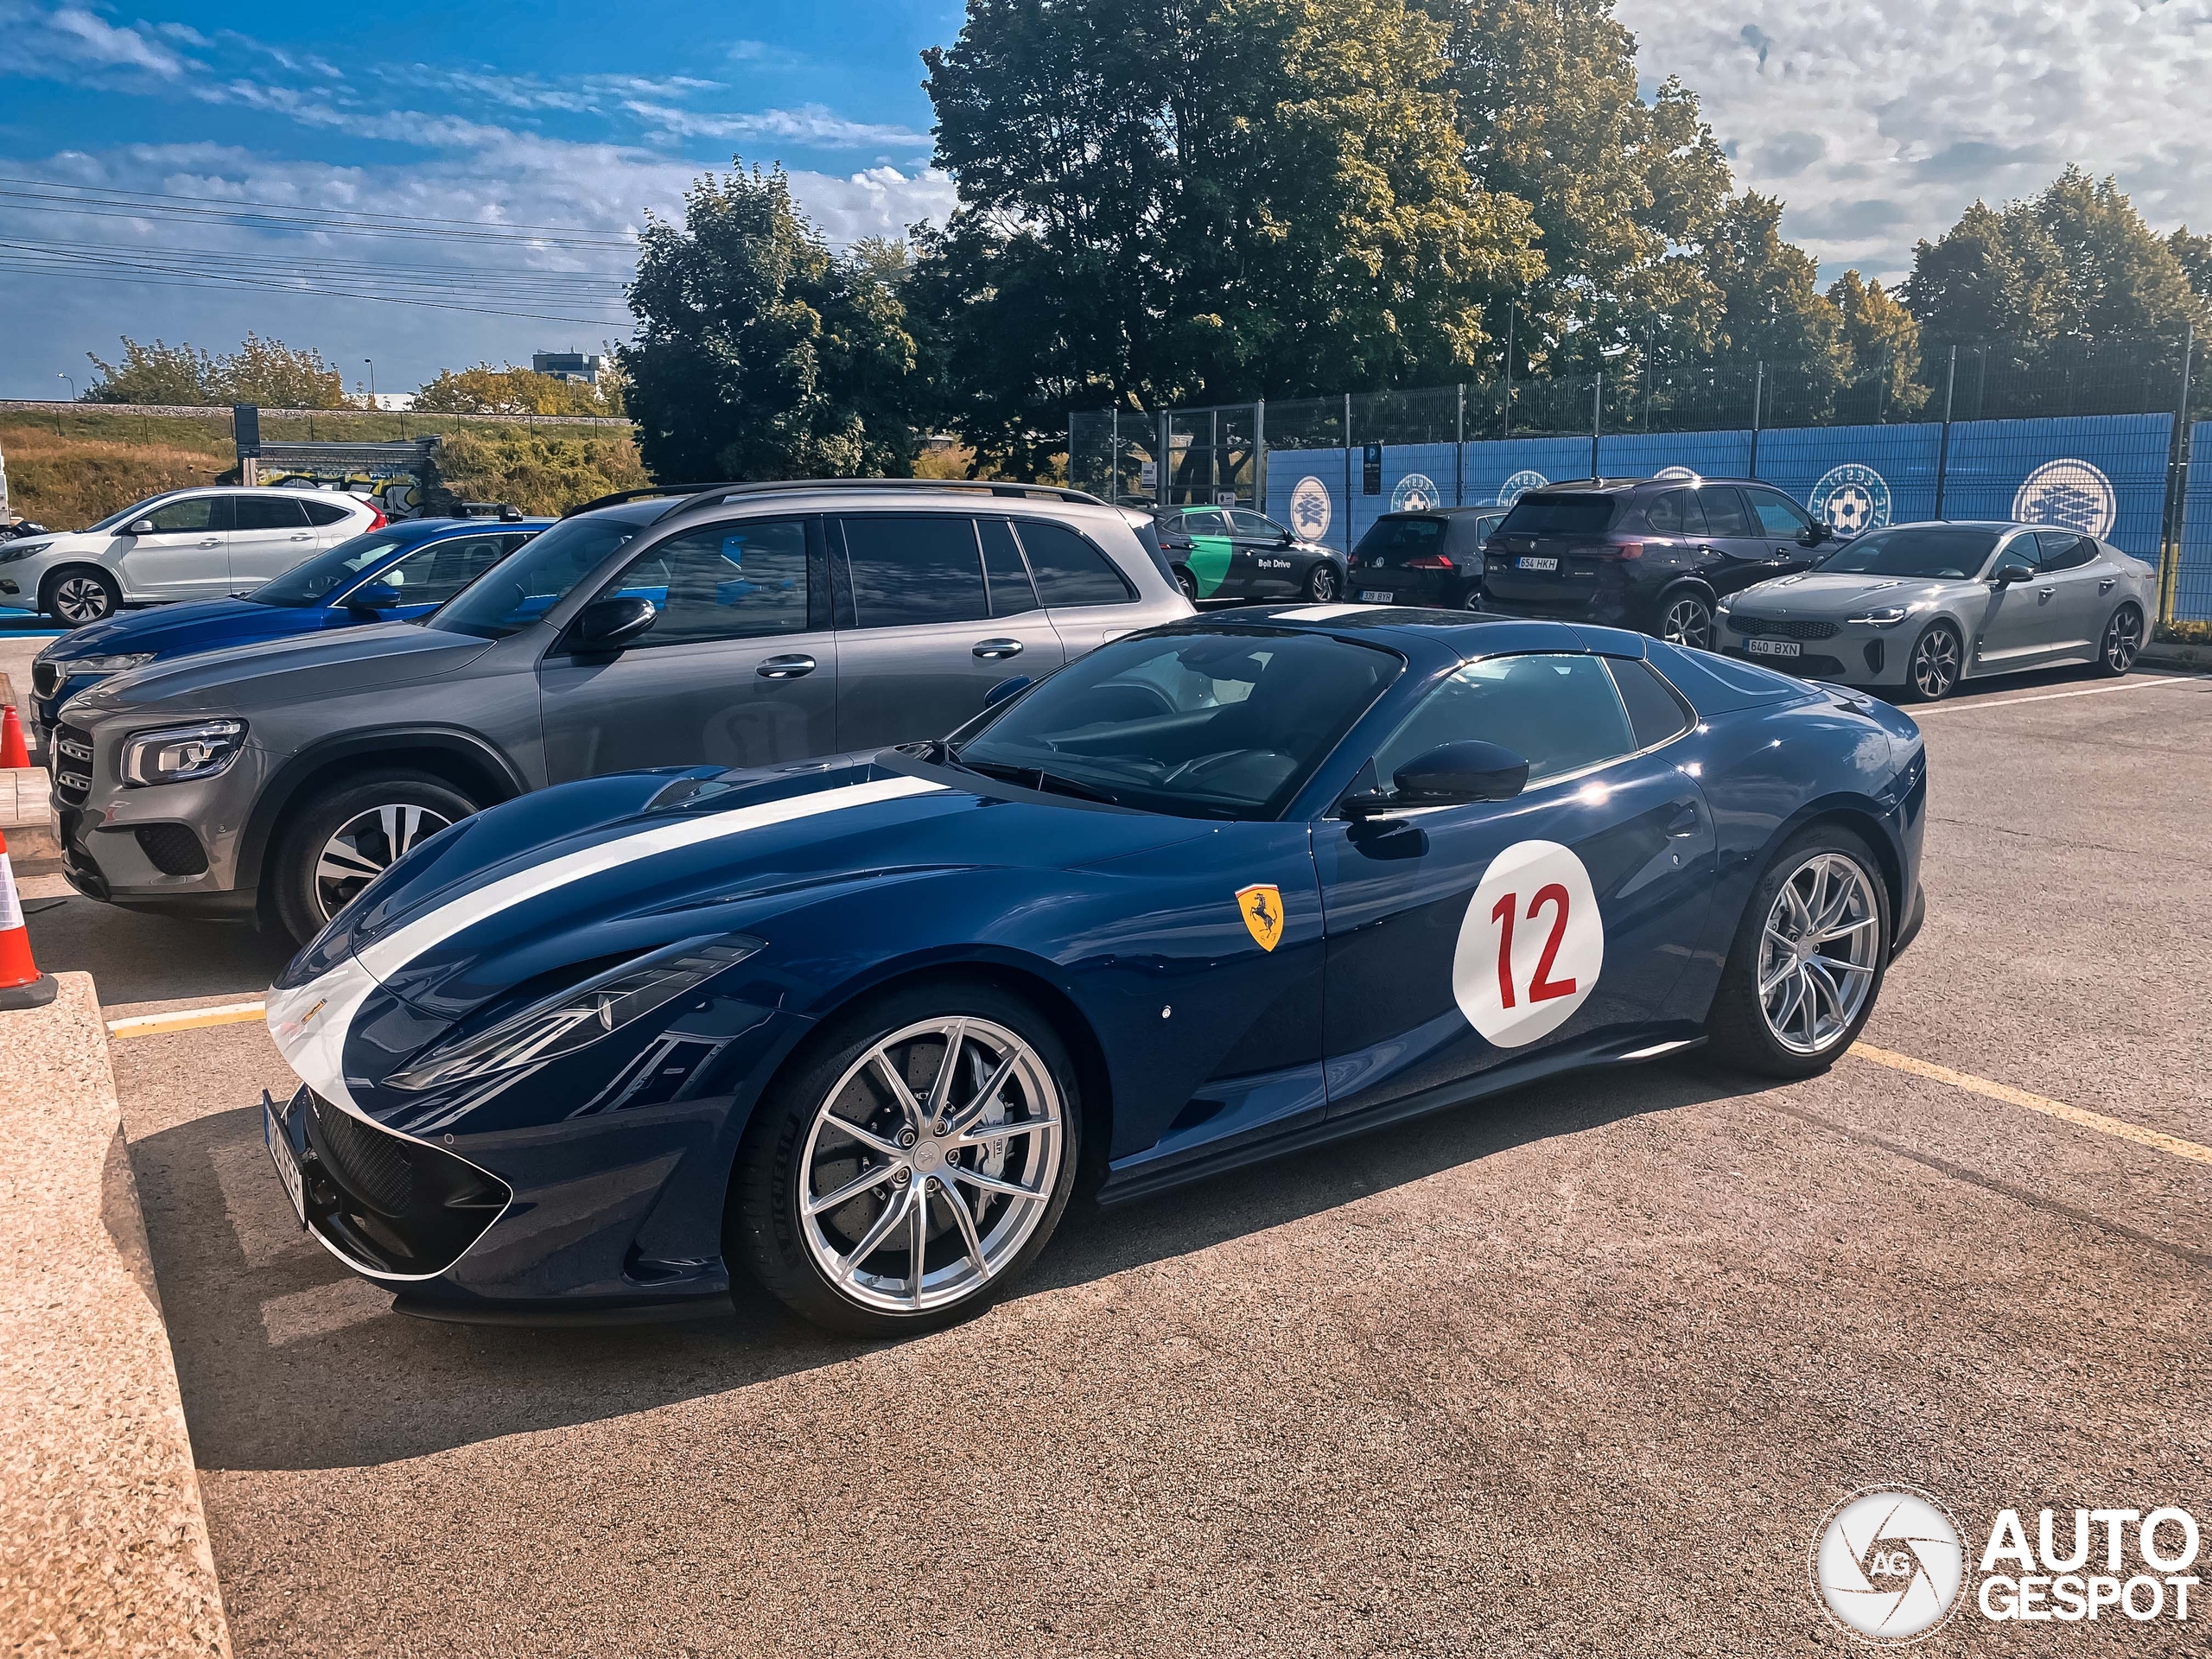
(2058, 1108)
(156, 1025)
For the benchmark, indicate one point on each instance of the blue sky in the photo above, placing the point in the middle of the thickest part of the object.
(1876, 120)
(546, 115)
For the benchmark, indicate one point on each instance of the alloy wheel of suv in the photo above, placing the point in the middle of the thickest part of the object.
(1687, 621)
(82, 596)
(348, 835)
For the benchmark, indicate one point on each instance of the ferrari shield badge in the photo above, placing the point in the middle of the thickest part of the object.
(1262, 908)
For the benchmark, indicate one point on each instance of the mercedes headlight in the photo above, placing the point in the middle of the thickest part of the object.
(1887, 617)
(177, 754)
(576, 1019)
(121, 664)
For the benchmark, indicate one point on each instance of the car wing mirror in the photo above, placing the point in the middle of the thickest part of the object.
(1813, 535)
(1451, 774)
(140, 527)
(2009, 574)
(373, 598)
(610, 626)
(1006, 689)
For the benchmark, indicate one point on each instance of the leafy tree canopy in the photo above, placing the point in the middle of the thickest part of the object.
(263, 372)
(760, 353)
(487, 390)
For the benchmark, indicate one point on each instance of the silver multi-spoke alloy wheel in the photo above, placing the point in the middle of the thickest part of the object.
(365, 846)
(1818, 953)
(930, 1164)
(1936, 662)
(79, 599)
(2123, 639)
(1321, 586)
(1688, 622)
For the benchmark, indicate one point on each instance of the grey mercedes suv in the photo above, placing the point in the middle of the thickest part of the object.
(740, 626)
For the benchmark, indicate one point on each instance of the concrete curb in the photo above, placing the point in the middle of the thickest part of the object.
(2175, 653)
(26, 819)
(103, 1542)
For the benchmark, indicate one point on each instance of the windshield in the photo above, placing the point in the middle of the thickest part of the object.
(1916, 550)
(1223, 725)
(135, 510)
(310, 583)
(512, 595)
(1579, 514)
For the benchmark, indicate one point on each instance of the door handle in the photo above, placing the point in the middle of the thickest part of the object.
(996, 651)
(785, 668)
(2105, 586)
(1686, 821)
(301, 537)
(212, 541)
(2042, 593)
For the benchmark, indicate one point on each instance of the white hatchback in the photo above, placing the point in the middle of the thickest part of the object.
(204, 544)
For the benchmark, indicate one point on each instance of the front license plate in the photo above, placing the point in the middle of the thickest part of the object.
(1774, 648)
(1375, 596)
(1535, 564)
(280, 1153)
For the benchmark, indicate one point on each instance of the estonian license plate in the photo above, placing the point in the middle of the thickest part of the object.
(1375, 596)
(280, 1153)
(1774, 648)
(1535, 564)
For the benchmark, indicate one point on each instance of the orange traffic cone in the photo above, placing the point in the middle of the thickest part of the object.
(12, 751)
(22, 985)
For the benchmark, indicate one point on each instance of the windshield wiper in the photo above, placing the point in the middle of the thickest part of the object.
(1044, 782)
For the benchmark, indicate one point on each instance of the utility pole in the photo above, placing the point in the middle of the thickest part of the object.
(1758, 392)
(1944, 447)
(2177, 488)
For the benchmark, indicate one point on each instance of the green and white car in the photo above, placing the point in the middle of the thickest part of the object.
(1235, 553)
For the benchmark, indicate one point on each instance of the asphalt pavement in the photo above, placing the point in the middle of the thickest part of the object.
(1578, 1370)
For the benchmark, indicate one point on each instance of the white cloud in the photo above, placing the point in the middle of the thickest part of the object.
(811, 124)
(1878, 121)
(71, 36)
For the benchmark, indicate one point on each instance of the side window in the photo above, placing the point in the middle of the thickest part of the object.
(1207, 523)
(270, 512)
(912, 568)
(2021, 549)
(1655, 712)
(1012, 591)
(1777, 514)
(2062, 550)
(1561, 714)
(726, 582)
(1724, 511)
(1258, 525)
(433, 575)
(1070, 571)
(1677, 513)
(203, 512)
(322, 512)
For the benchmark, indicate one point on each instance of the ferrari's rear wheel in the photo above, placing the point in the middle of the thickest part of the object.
(2123, 639)
(917, 1163)
(1808, 958)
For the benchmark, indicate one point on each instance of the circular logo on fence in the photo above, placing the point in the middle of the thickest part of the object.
(1888, 1565)
(1531, 944)
(2070, 494)
(1416, 493)
(1310, 509)
(1678, 472)
(1519, 484)
(1851, 500)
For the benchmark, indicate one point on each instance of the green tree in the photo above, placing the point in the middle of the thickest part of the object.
(760, 353)
(159, 373)
(524, 467)
(276, 376)
(1769, 309)
(1209, 201)
(2193, 254)
(1881, 342)
(484, 390)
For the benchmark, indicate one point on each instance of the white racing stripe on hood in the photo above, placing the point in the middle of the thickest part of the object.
(311, 1022)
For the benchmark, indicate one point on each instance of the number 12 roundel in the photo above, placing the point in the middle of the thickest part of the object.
(1531, 946)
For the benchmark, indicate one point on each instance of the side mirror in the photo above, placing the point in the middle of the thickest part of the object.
(1813, 534)
(140, 527)
(1006, 689)
(608, 626)
(1283, 538)
(373, 598)
(1452, 773)
(2010, 573)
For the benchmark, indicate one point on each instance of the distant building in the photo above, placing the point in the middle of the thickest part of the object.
(568, 366)
(394, 403)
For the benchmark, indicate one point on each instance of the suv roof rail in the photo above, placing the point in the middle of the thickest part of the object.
(985, 486)
(650, 490)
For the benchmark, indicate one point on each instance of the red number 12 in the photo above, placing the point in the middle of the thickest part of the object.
(1543, 987)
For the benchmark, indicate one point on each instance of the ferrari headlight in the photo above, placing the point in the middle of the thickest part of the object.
(177, 754)
(121, 664)
(577, 1018)
(1887, 617)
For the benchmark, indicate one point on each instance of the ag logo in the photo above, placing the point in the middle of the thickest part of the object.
(1887, 1563)
(1416, 493)
(1261, 906)
(1851, 500)
(1678, 472)
(1519, 484)
(1309, 509)
(1531, 944)
(2070, 494)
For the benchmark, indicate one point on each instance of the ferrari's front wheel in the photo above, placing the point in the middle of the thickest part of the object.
(914, 1165)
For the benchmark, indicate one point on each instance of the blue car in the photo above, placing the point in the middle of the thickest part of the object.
(1217, 891)
(399, 571)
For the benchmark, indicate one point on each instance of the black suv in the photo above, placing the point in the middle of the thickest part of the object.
(1653, 553)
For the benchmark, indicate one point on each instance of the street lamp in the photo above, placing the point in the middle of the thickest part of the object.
(72, 384)
(371, 362)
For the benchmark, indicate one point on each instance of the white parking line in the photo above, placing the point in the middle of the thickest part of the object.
(156, 1025)
(2052, 696)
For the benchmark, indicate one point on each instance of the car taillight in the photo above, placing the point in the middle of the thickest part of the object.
(377, 520)
(1429, 562)
(1609, 550)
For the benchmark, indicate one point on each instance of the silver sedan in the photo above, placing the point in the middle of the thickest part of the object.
(1917, 608)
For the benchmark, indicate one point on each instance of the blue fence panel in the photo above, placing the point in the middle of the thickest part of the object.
(1505, 468)
(1856, 478)
(2102, 474)
(1646, 454)
(1306, 491)
(2192, 585)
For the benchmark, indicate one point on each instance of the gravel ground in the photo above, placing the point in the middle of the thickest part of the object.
(1579, 1370)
